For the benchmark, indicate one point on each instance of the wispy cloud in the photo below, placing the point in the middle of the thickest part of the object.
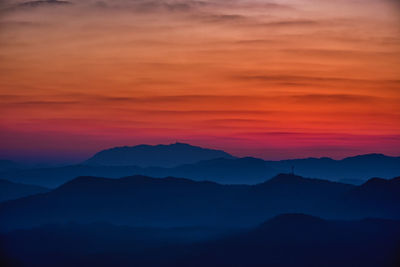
(187, 100)
(291, 23)
(335, 98)
(308, 79)
(201, 69)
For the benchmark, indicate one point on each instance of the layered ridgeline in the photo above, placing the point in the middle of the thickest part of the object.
(201, 164)
(145, 201)
(286, 240)
(10, 190)
(221, 170)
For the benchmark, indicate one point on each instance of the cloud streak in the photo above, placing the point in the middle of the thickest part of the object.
(201, 70)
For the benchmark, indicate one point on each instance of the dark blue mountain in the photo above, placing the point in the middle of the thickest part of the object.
(10, 190)
(222, 170)
(218, 167)
(286, 240)
(377, 195)
(145, 201)
(137, 200)
(379, 188)
(360, 167)
(159, 155)
(53, 177)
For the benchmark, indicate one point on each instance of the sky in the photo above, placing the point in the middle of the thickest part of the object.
(271, 79)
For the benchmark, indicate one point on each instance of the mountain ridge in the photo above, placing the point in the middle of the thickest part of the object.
(155, 155)
(247, 170)
(141, 200)
(10, 190)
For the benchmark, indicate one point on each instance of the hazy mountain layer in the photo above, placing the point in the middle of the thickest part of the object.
(145, 201)
(10, 190)
(354, 170)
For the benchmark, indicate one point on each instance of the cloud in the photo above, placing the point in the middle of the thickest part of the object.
(222, 18)
(298, 79)
(291, 23)
(209, 112)
(40, 104)
(149, 6)
(190, 104)
(341, 53)
(44, 3)
(186, 5)
(254, 21)
(33, 5)
(321, 136)
(142, 6)
(335, 98)
(225, 99)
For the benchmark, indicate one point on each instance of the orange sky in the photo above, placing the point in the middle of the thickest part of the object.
(278, 79)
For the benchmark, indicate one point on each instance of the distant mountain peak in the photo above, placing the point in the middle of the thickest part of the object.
(377, 182)
(155, 155)
(370, 156)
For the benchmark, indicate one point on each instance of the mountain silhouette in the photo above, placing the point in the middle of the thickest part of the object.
(10, 190)
(53, 177)
(379, 188)
(288, 186)
(360, 167)
(285, 240)
(377, 195)
(158, 155)
(145, 201)
(222, 170)
(218, 166)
